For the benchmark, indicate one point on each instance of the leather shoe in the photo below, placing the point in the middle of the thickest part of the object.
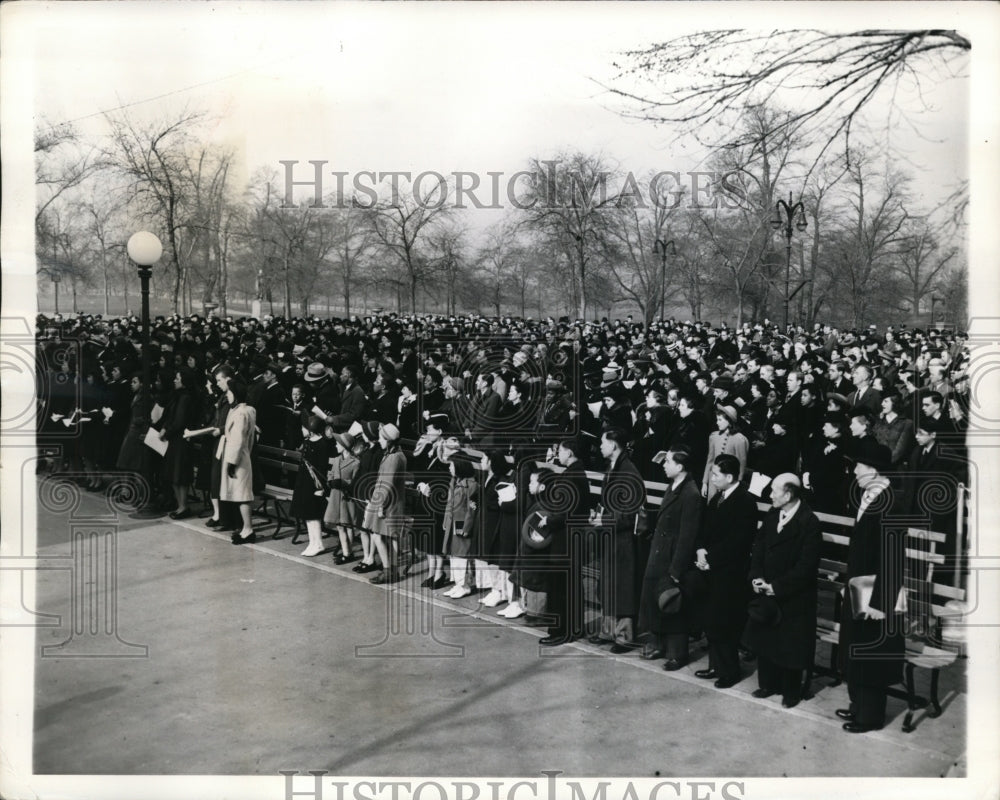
(857, 727)
(180, 514)
(441, 582)
(618, 649)
(212, 523)
(340, 559)
(673, 664)
(707, 674)
(762, 693)
(554, 639)
(597, 638)
(845, 713)
(237, 539)
(427, 583)
(726, 684)
(790, 702)
(651, 653)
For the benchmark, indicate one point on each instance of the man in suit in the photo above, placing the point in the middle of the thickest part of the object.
(864, 396)
(270, 414)
(353, 402)
(783, 565)
(723, 553)
(871, 633)
(671, 559)
(622, 497)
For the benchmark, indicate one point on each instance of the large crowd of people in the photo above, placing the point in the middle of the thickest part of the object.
(468, 439)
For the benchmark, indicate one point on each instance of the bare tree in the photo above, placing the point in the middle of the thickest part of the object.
(698, 82)
(921, 261)
(566, 201)
(401, 222)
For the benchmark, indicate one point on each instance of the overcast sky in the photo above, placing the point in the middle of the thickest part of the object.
(383, 87)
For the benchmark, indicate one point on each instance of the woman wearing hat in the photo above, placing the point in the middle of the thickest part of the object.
(428, 465)
(824, 467)
(728, 439)
(385, 515)
(181, 413)
(341, 510)
(369, 458)
(459, 518)
(238, 437)
(309, 494)
(497, 530)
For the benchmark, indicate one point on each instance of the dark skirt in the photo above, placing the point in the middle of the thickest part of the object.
(306, 504)
(178, 462)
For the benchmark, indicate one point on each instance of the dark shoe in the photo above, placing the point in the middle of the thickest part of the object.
(845, 713)
(790, 702)
(857, 727)
(762, 693)
(427, 583)
(359, 568)
(237, 539)
(554, 639)
(441, 582)
(618, 649)
(673, 664)
(180, 514)
(726, 684)
(707, 674)
(366, 568)
(651, 653)
(598, 639)
(385, 576)
(211, 522)
(341, 559)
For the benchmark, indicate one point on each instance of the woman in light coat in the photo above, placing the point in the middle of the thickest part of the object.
(386, 508)
(727, 439)
(236, 485)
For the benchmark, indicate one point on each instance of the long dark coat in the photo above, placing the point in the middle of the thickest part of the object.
(872, 651)
(134, 456)
(182, 411)
(623, 495)
(727, 535)
(788, 561)
(499, 531)
(306, 504)
(671, 557)
(428, 512)
(828, 475)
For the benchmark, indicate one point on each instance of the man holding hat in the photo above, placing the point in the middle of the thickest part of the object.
(871, 625)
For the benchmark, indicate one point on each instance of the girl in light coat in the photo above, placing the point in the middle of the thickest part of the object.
(236, 485)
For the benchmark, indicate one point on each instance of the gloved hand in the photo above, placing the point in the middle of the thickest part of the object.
(231, 470)
(337, 483)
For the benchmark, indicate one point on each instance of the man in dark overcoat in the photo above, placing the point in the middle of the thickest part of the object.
(623, 494)
(671, 559)
(723, 552)
(871, 634)
(783, 573)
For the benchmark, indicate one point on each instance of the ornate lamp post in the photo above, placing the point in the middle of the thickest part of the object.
(660, 248)
(145, 250)
(787, 214)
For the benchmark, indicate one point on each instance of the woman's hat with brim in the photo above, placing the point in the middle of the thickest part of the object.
(729, 412)
(370, 430)
(389, 432)
(345, 440)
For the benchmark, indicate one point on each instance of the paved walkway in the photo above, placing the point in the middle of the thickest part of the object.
(259, 660)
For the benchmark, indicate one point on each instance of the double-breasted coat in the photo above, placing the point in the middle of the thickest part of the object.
(671, 557)
(388, 496)
(341, 509)
(235, 444)
(788, 560)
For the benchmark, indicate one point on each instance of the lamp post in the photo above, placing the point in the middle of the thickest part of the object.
(56, 277)
(660, 248)
(790, 213)
(145, 250)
